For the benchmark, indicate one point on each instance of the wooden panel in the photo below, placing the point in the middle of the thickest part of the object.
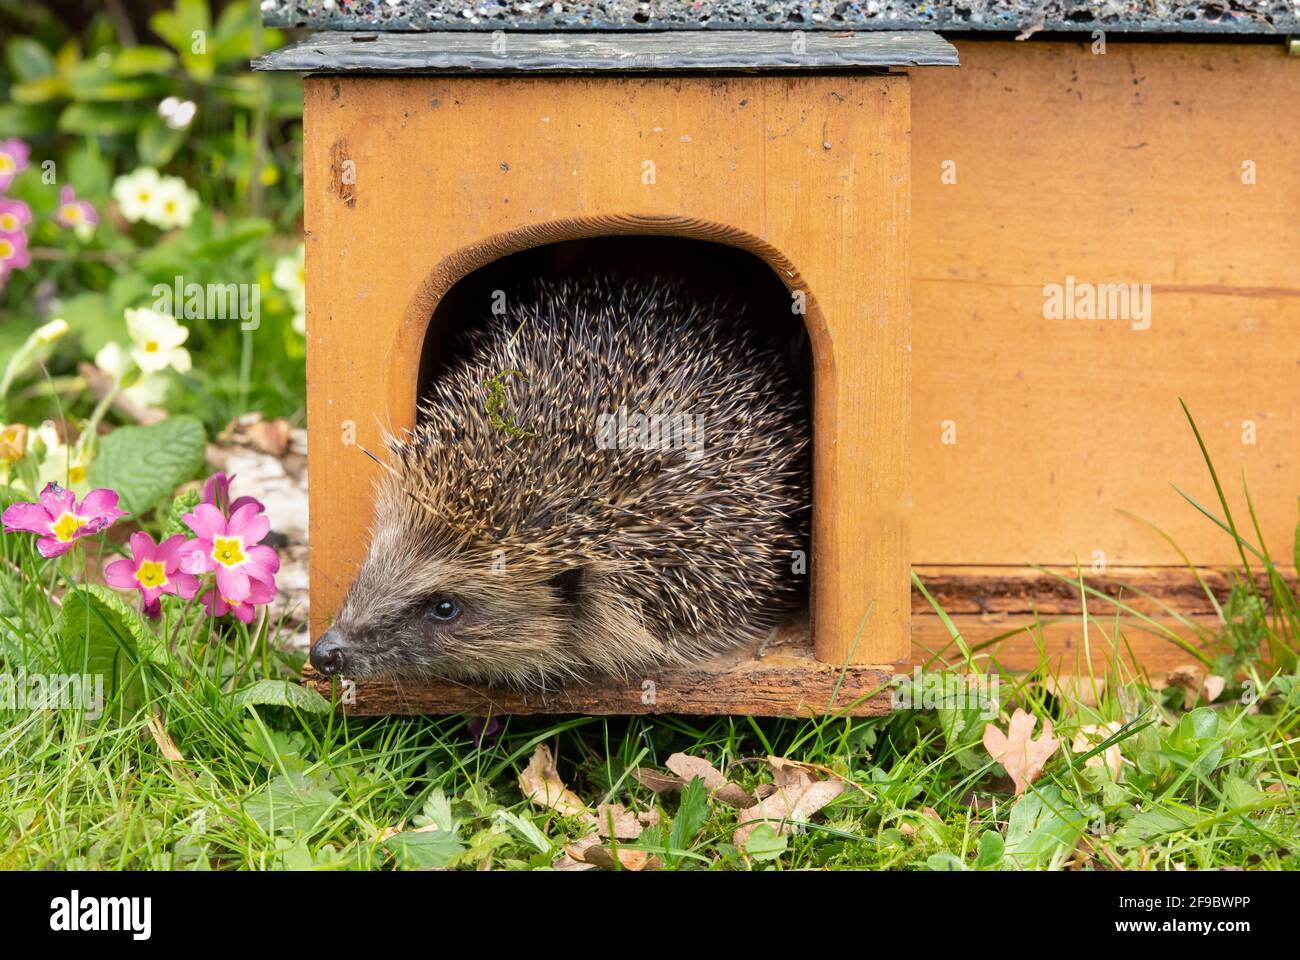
(1121, 167)
(811, 173)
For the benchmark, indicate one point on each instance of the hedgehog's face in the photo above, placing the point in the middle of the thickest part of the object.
(420, 610)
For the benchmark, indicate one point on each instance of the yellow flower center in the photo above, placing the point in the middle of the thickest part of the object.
(144, 196)
(302, 275)
(151, 346)
(76, 475)
(6, 249)
(66, 527)
(7, 163)
(151, 574)
(228, 551)
(8, 222)
(170, 206)
(71, 212)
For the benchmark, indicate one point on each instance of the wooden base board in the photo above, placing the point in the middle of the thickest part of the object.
(785, 679)
(780, 678)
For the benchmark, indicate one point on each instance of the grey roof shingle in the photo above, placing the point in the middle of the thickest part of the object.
(1121, 16)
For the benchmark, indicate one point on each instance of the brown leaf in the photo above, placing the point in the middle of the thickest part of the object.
(164, 739)
(1017, 751)
(649, 817)
(657, 782)
(794, 802)
(615, 820)
(541, 784)
(1089, 737)
(628, 858)
(268, 436)
(574, 853)
(1212, 687)
(688, 767)
(734, 795)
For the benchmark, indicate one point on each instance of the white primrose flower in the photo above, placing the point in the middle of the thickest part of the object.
(176, 204)
(136, 194)
(157, 338)
(149, 391)
(165, 202)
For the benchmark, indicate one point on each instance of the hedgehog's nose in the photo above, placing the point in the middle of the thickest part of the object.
(328, 654)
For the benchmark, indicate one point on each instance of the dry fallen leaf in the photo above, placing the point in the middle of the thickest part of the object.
(1017, 751)
(628, 857)
(572, 858)
(649, 817)
(796, 801)
(1089, 737)
(164, 739)
(615, 820)
(1194, 683)
(688, 767)
(541, 784)
(657, 782)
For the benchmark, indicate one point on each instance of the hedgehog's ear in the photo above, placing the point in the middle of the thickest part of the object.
(568, 584)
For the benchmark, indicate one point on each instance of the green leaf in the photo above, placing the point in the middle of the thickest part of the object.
(188, 30)
(25, 120)
(1042, 826)
(291, 804)
(691, 814)
(526, 829)
(100, 635)
(145, 464)
(945, 862)
(133, 61)
(764, 843)
(42, 90)
(282, 693)
(28, 60)
(89, 172)
(157, 143)
(101, 119)
(182, 505)
(421, 851)
(991, 849)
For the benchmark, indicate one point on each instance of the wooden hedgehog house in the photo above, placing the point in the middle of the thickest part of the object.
(1009, 273)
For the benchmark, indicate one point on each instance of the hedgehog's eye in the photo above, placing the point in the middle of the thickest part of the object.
(444, 608)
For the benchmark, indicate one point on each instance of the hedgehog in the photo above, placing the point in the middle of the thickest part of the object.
(611, 476)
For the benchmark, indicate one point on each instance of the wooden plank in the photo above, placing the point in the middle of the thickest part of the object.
(1052, 591)
(412, 181)
(784, 678)
(501, 53)
(1128, 167)
(781, 678)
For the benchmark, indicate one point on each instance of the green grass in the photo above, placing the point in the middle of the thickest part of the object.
(268, 786)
